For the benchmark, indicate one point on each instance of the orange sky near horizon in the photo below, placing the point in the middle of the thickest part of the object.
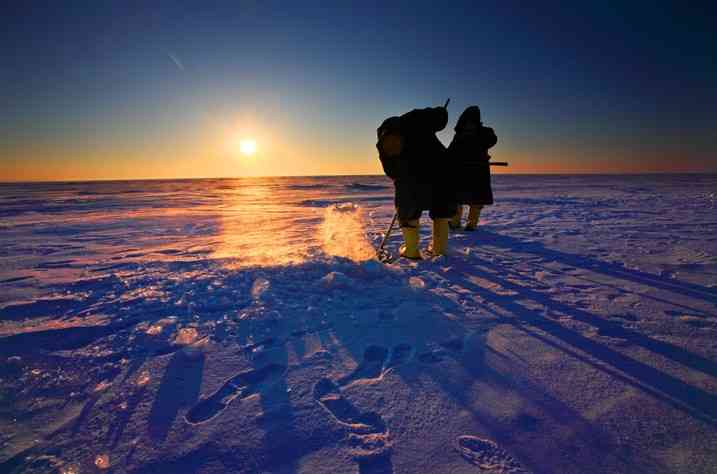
(206, 144)
(122, 164)
(212, 151)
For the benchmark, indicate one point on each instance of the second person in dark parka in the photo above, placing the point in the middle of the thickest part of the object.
(468, 155)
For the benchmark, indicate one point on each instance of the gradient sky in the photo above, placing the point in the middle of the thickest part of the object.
(149, 89)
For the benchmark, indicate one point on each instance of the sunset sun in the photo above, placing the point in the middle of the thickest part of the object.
(247, 146)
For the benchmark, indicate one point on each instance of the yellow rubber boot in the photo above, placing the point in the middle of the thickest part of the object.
(473, 217)
(440, 237)
(455, 222)
(410, 238)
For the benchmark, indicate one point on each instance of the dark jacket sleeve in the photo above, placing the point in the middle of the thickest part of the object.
(488, 138)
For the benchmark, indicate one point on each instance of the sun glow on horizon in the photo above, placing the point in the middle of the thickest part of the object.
(247, 146)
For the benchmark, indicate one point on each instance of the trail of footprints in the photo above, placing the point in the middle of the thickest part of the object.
(374, 365)
(368, 432)
(249, 382)
(369, 435)
(376, 362)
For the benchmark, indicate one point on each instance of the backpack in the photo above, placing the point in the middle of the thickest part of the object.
(389, 143)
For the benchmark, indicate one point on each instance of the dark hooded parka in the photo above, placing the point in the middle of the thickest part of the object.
(468, 155)
(416, 163)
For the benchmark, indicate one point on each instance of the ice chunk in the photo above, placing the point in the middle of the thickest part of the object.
(186, 336)
(416, 283)
(104, 385)
(335, 280)
(102, 461)
(70, 469)
(159, 326)
(260, 286)
(143, 378)
(154, 329)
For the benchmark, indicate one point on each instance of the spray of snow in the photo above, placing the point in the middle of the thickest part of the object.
(343, 233)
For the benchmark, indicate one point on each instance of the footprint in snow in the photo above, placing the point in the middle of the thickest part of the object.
(328, 394)
(368, 436)
(487, 455)
(240, 386)
(376, 361)
(371, 367)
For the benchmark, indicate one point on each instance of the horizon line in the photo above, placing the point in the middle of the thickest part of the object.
(577, 173)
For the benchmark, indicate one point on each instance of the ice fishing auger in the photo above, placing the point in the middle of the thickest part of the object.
(383, 255)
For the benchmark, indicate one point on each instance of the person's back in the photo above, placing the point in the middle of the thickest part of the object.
(408, 149)
(468, 153)
(421, 145)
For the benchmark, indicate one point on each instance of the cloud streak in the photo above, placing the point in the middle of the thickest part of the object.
(176, 61)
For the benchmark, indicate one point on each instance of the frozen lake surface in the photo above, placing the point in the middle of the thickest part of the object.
(242, 326)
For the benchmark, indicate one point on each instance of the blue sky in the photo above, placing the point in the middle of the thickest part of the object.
(93, 90)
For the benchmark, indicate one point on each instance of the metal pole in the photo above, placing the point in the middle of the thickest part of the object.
(380, 253)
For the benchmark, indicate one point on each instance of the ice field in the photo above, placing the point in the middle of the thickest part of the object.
(243, 326)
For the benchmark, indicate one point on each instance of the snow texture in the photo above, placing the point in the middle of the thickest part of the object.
(244, 326)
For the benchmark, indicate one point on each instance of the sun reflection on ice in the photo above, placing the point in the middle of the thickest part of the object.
(261, 225)
(272, 222)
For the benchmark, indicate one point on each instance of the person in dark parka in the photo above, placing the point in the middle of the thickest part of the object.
(410, 154)
(468, 154)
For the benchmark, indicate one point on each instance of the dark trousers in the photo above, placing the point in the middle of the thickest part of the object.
(413, 196)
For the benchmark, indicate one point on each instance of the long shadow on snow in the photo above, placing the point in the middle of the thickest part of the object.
(180, 384)
(278, 422)
(178, 389)
(609, 328)
(59, 339)
(610, 269)
(693, 400)
(581, 433)
(546, 428)
(605, 327)
(540, 448)
(279, 451)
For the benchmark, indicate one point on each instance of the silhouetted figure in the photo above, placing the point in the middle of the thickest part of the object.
(414, 158)
(468, 152)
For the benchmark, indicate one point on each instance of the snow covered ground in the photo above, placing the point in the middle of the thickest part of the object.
(241, 326)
